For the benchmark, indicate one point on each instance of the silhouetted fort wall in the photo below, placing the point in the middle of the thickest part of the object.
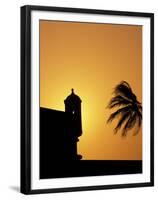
(56, 135)
(59, 133)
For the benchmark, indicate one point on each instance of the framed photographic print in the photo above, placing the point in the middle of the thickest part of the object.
(87, 99)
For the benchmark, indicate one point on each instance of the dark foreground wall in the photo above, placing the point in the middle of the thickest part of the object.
(92, 168)
(56, 151)
(55, 138)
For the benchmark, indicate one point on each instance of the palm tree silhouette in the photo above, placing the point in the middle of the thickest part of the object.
(129, 111)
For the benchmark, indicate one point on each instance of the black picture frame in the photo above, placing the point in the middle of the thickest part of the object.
(26, 170)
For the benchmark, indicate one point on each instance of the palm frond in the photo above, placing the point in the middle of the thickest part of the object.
(139, 123)
(118, 101)
(123, 119)
(117, 113)
(124, 89)
(139, 115)
(130, 113)
(130, 123)
(140, 107)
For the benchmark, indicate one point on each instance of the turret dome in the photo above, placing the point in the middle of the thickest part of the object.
(72, 97)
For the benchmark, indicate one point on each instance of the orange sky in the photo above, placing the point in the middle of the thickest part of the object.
(92, 59)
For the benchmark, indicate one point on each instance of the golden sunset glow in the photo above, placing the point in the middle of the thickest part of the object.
(92, 59)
